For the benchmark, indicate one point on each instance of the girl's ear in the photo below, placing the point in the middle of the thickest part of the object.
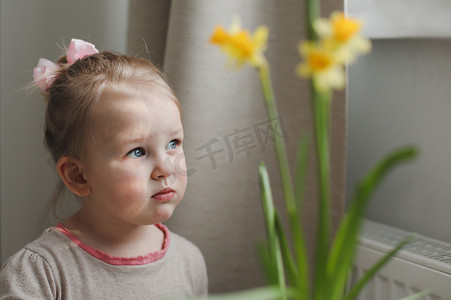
(71, 172)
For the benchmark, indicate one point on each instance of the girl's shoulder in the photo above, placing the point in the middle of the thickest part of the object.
(188, 258)
(41, 249)
(183, 252)
(182, 246)
(32, 269)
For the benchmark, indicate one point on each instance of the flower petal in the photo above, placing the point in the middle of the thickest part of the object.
(303, 71)
(362, 45)
(260, 37)
(323, 28)
(333, 78)
(241, 46)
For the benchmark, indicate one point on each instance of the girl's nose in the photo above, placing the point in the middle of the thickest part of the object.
(163, 168)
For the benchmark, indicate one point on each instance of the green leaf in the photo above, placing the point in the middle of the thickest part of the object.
(345, 242)
(293, 275)
(417, 295)
(264, 293)
(274, 251)
(265, 260)
(354, 292)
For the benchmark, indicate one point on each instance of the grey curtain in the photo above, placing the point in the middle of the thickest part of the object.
(226, 124)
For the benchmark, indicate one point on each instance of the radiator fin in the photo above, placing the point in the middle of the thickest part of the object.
(423, 250)
(423, 264)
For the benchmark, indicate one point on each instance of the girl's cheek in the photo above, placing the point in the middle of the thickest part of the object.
(179, 165)
(130, 190)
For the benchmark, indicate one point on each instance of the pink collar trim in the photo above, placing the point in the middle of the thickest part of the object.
(121, 261)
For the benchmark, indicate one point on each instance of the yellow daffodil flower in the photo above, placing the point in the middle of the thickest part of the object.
(321, 65)
(239, 45)
(341, 34)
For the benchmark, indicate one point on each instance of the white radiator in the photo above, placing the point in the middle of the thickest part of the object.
(423, 264)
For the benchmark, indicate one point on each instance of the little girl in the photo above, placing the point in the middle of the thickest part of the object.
(113, 127)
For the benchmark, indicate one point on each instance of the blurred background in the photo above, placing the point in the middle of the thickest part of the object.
(396, 95)
(400, 94)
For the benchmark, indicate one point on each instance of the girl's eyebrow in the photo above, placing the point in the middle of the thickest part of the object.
(142, 139)
(177, 131)
(134, 140)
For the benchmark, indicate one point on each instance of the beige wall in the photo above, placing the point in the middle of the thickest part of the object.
(30, 30)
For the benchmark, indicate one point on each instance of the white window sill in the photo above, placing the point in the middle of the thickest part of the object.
(402, 18)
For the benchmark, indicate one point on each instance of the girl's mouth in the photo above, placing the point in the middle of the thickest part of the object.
(164, 195)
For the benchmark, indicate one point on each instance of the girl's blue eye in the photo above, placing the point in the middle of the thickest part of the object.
(137, 152)
(172, 145)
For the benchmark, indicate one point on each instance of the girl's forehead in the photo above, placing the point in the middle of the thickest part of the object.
(144, 113)
(126, 101)
(151, 93)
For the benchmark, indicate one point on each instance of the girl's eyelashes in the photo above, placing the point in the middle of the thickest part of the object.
(136, 153)
(139, 151)
(173, 144)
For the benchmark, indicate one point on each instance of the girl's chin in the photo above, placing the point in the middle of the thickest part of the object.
(162, 214)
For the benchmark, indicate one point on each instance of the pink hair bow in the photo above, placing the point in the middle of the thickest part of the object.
(45, 73)
(79, 49)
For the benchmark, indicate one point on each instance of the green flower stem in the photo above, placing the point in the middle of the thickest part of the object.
(279, 142)
(312, 13)
(321, 111)
(321, 107)
(293, 216)
(298, 233)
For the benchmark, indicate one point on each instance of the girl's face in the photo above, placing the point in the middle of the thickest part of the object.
(133, 160)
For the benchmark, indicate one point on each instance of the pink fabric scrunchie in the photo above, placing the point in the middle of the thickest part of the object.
(45, 73)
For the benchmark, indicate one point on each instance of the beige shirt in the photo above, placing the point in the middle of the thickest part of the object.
(57, 266)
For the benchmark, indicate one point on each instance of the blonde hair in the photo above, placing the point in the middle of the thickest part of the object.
(75, 92)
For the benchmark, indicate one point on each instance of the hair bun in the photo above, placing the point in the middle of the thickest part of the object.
(62, 60)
